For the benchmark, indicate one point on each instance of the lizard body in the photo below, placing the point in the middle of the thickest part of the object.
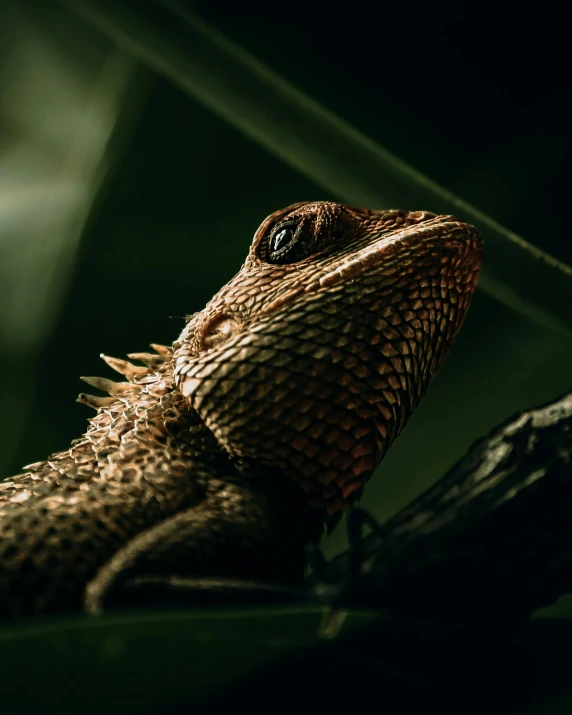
(225, 454)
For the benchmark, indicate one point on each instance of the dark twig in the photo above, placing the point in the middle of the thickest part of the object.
(492, 538)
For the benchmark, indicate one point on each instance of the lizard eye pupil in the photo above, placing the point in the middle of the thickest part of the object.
(281, 239)
(288, 244)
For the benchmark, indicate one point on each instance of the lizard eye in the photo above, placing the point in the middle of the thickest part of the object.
(287, 244)
(281, 239)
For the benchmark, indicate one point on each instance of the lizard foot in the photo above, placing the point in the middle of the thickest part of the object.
(334, 590)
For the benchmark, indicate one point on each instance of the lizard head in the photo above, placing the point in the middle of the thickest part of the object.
(313, 357)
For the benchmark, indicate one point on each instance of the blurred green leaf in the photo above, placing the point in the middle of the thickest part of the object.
(232, 83)
(145, 660)
(214, 660)
(60, 106)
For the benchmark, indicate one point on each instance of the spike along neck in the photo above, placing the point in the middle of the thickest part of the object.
(117, 389)
(146, 407)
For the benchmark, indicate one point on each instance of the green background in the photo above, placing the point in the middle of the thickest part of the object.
(476, 105)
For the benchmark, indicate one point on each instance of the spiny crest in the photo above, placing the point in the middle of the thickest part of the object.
(129, 370)
(147, 358)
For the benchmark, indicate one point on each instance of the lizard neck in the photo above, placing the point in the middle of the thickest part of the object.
(151, 424)
(153, 429)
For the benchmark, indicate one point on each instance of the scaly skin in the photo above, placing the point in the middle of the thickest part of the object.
(225, 455)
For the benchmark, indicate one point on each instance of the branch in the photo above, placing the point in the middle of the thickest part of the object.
(493, 538)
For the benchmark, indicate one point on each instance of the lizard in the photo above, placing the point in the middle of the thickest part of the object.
(228, 452)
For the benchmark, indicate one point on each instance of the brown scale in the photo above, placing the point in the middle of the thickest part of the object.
(224, 455)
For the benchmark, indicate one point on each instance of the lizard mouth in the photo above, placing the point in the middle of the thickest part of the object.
(444, 232)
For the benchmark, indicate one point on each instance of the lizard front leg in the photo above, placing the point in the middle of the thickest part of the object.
(239, 531)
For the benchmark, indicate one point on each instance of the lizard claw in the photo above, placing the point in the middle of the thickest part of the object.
(322, 583)
(355, 522)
